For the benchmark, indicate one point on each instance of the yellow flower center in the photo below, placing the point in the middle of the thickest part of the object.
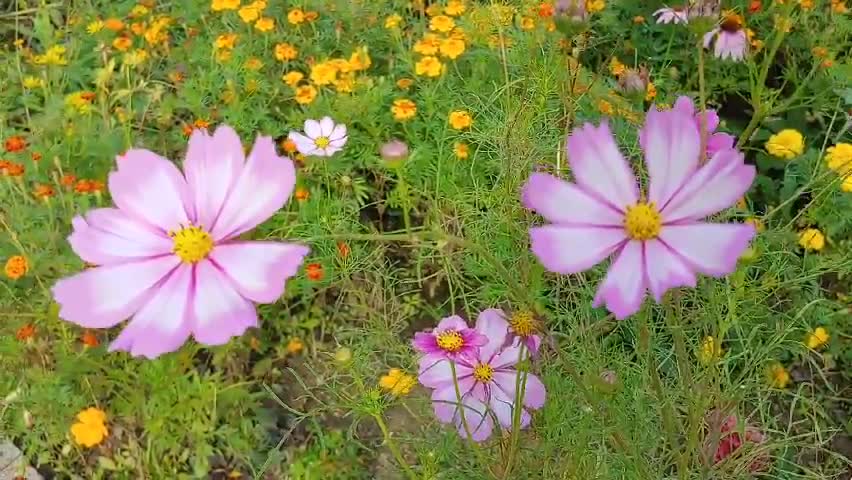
(450, 341)
(523, 323)
(322, 142)
(192, 244)
(483, 373)
(642, 221)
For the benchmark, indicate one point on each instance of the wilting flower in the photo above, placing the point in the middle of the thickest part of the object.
(322, 138)
(450, 339)
(671, 15)
(716, 141)
(632, 81)
(729, 39)
(169, 255)
(725, 438)
(523, 325)
(90, 428)
(657, 238)
(486, 380)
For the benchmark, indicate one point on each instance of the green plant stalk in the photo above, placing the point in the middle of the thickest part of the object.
(393, 447)
(403, 194)
(460, 405)
(702, 100)
(520, 394)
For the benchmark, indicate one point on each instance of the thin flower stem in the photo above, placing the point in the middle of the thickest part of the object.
(460, 405)
(520, 394)
(702, 101)
(393, 447)
(403, 194)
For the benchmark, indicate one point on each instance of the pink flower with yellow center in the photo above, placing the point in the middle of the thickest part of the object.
(450, 339)
(672, 15)
(729, 39)
(658, 239)
(169, 255)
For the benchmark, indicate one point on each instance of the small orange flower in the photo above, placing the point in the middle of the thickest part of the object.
(289, 146)
(265, 24)
(314, 272)
(15, 143)
(122, 43)
(36, 156)
(187, 130)
(302, 194)
(43, 192)
(83, 186)
(201, 124)
(114, 24)
(16, 267)
(343, 249)
(404, 83)
(25, 333)
(67, 180)
(12, 169)
(545, 10)
(89, 339)
(311, 16)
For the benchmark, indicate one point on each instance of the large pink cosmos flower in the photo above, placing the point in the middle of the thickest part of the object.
(169, 256)
(486, 381)
(450, 339)
(658, 239)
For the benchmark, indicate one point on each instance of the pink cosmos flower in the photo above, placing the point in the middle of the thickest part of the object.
(169, 255)
(729, 439)
(729, 39)
(486, 381)
(658, 238)
(450, 339)
(671, 15)
(716, 141)
(321, 139)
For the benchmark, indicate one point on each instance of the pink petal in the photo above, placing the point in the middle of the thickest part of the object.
(718, 142)
(568, 250)
(623, 289)
(326, 126)
(453, 322)
(534, 391)
(212, 166)
(599, 168)
(162, 325)
(304, 145)
(150, 188)
(106, 236)
(671, 144)
(264, 186)
(339, 133)
(493, 325)
(259, 270)
(425, 342)
(509, 356)
(478, 420)
(711, 248)
(313, 129)
(446, 402)
(218, 311)
(502, 405)
(714, 187)
(435, 370)
(562, 202)
(104, 296)
(665, 269)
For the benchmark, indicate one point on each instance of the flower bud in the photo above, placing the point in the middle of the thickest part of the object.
(633, 81)
(394, 153)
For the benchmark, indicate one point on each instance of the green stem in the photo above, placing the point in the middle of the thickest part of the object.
(393, 448)
(403, 194)
(520, 394)
(460, 405)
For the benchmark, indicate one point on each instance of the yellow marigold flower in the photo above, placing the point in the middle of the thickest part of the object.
(429, 66)
(812, 239)
(253, 63)
(405, 83)
(638, 20)
(226, 40)
(360, 59)
(30, 82)
(249, 13)
(139, 11)
(455, 8)
(122, 43)
(292, 78)
(605, 108)
(94, 27)
(265, 24)
(839, 158)
(90, 429)
(392, 22)
(294, 346)
(452, 48)
(345, 83)
(16, 267)
(779, 377)
(527, 23)
(342, 65)
(650, 92)
(434, 9)
(403, 109)
(135, 58)
(786, 144)
(428, 45)
(323, 73)
(846, 186)
(54, 55)
(219, 5)
(461, 150)
(594, 6)
(817, 338)
(616, 67)
(460, 119)
(441, 23)
(285, 52)
(710, 350)
(306, 94)
(397, 383)
(839, 6)
(296, 16)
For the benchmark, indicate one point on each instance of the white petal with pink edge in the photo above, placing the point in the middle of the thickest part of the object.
(567, 250)
(665, 269)
(623, 289)
(107, 236)
(599, 168)
(710, 248)
(562, 202)
(672, 145)
(259, 270)
(218, 311)
(212, 166)
(493, 325)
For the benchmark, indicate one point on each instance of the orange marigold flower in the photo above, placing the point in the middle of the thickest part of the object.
(343, 249)
(114, 24)
(16, 267)
(89, 339)
(12, 169)
(302, 194)
(27, 332)
(15, 143)
(289, 146)
(314, 272)
(67, 180)
(311, 16)
(545, 10)
(122, 43)
(36, 156)
(43, 192)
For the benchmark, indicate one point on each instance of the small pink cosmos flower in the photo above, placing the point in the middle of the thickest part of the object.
(321, 138)
(729, 39)
(450, 339)
(486, 381)
(716, 141)
(672, 15)
(169, 255)
(658, 239)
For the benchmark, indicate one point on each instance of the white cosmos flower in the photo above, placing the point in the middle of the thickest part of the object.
(671, 15)
(322, 138)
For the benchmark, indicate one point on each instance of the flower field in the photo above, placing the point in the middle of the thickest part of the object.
(396, 239)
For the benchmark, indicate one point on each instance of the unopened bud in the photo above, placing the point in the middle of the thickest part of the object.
(633, 81)
(394, 153)
(343, 356)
